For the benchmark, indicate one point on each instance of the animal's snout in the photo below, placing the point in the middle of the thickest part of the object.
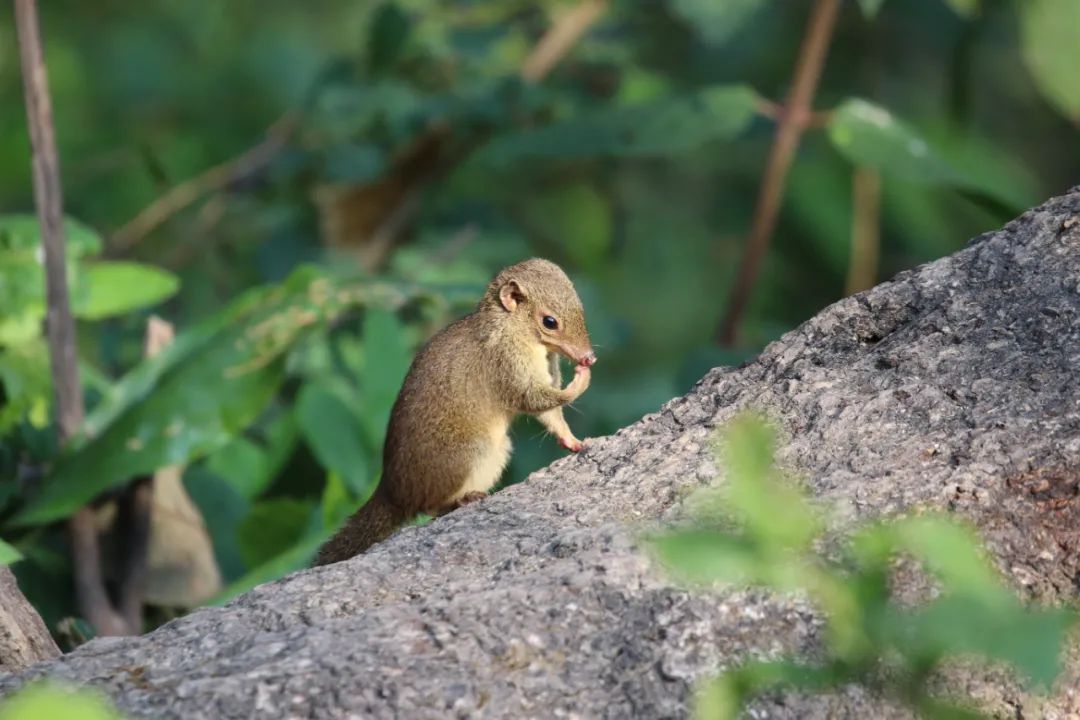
(588, 359)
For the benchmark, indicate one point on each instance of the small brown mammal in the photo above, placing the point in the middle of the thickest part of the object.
(447, 442)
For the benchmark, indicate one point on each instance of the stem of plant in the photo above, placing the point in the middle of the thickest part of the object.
(90, 591)
(865, 230)
(794, 118)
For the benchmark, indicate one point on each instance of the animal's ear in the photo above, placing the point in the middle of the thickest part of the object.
(510, 295)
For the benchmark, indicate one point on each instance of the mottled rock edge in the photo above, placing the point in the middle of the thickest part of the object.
(951, 386)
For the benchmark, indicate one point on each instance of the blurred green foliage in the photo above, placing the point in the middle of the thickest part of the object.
(635, 165)
(49, 701)
(757, 529)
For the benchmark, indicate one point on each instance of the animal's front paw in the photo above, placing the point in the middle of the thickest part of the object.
(571, 443)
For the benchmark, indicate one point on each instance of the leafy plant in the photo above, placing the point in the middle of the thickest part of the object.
(100, 289)
(759, 530)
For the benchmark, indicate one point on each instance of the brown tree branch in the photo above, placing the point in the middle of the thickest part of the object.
(60, 326)
(563, 35)
(91, 597)
(865, 230)
(775, 111)
(219, 177)
(794, 118)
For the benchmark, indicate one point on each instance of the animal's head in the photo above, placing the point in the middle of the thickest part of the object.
(538, 296)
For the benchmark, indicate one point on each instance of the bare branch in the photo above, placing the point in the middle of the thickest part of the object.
(60, 326)
(90, 595)
(219, 177)
(563, 35)
(793, 119)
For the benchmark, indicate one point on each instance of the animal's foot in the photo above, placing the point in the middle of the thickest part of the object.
(470, 497)
(571, 443)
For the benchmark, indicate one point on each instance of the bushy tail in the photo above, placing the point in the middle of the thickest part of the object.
(376, 520)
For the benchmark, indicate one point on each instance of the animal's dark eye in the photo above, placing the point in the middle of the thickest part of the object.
(550, 323)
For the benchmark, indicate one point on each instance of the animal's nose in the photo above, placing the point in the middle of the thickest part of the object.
(589, 359)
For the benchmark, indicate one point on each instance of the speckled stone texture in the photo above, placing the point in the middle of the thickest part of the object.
(952, 386)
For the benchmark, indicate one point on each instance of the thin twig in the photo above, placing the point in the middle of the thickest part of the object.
(795, 116)
(563, 35)
(775, 111)
(865, 230)
(90, 592)
(219, 177)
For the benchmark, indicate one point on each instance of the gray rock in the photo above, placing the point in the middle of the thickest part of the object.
(952, 386)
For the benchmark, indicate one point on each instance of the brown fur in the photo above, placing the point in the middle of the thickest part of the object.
(447, 441)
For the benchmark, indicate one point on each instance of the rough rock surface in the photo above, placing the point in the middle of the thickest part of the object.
(952, 386)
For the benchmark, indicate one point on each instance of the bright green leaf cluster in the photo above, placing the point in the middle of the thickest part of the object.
(49, 701)
(98, 290)
(757, 529)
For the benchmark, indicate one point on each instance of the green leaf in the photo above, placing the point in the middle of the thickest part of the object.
(24, 374)
(296, 557)
(723, 698)
(965, 8)
(934, 709)
(386, 361)
(871, 136)
(333, 432)
(1049, 31)
(22, 232)
(22, 272)
(47, 700)
(114, 288)
(1031, 640)
(577, 218)
(716, 21)
(948, 549)
(250, 465)
(389, 32)
(870, 7)
(194, 397)
(337, 502)
(8, 554)
(243, 465)
(223, 509)
(708, 556)
(660, 128)
(774, 512)
(271, 528)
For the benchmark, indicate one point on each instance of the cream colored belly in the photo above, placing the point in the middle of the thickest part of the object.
(489, 465)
